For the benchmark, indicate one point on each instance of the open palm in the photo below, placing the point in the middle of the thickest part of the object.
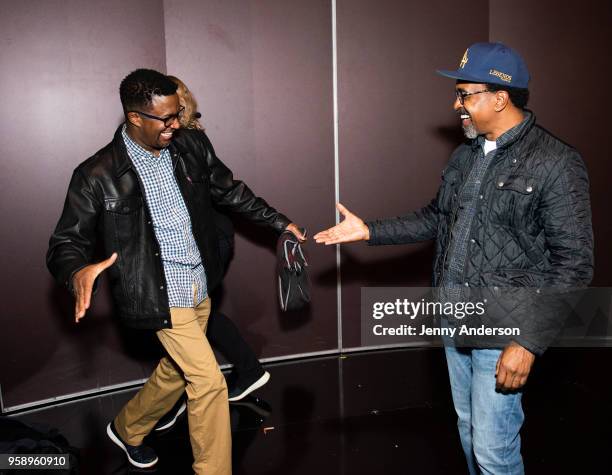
(350, 230)
(83, 283)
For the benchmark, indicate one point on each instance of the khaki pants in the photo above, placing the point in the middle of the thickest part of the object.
(191, 365)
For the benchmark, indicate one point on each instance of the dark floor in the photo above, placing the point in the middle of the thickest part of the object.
(386, 412)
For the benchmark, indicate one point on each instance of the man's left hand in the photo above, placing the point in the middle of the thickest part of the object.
(294, 228)
(513, 367)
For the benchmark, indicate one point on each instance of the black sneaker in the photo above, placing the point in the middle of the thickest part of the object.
(169, 419)
(139, 456)
(243, 388)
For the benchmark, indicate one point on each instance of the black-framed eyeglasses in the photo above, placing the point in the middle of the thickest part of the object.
(461, 94)
(168, 120)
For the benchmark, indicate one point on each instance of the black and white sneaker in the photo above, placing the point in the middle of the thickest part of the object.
(169, 419)
(242, 389)
(139, 456)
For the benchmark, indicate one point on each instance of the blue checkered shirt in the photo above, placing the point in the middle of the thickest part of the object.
(181, 258)
(453, 285)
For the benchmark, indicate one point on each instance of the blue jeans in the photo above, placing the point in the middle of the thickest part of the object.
(489, 421)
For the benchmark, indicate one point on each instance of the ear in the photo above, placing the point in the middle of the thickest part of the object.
(502, 99)
(134, 119)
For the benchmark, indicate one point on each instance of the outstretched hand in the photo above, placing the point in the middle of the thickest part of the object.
(83, 282)
(350, 230)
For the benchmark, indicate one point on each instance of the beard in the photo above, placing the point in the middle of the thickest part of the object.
(470, 131)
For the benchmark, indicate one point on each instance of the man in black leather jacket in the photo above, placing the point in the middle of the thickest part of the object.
(512, 224)
(146, 200)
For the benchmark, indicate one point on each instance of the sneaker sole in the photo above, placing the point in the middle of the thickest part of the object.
(172, 421)
(121, 445)
(256, 385)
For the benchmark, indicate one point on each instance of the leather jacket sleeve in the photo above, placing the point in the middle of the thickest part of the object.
(236, 196)
(72, 244)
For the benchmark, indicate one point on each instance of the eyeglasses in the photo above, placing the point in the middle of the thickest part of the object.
(168, 120)
(461, 95)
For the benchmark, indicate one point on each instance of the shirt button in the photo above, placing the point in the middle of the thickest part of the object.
(148, 222)
(529, 189)
(514, 160)
(165, 321)
(467, 284)
(484, 300)
(500, 184)
(157, 254)
(473, 241)
(161, 287)
(481, 197)
(496, 288)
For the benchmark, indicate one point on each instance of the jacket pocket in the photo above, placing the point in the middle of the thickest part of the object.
(123, 205)
(512, 200)
(521, 184)
(122, 220)
(514, 278)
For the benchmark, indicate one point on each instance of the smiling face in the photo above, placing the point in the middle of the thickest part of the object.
(152, 134)
(476, 108)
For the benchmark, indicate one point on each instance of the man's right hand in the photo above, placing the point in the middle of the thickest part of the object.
(350, 230)
(83, 282)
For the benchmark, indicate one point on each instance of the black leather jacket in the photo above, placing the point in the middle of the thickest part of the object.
(105, 208)
(532, 230)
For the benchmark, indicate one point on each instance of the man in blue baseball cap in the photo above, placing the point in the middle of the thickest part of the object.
(488, 68)
(512, 224)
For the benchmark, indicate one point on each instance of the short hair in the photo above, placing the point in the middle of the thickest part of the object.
(139, 87)
(518, 96)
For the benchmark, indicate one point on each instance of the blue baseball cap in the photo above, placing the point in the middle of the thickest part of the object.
(493, 63)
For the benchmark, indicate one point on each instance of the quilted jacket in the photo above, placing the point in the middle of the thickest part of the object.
(531, 235)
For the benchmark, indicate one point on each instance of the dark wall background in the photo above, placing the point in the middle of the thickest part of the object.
(567, 49)
(60, 67)
(262, 72)
(397, 127)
